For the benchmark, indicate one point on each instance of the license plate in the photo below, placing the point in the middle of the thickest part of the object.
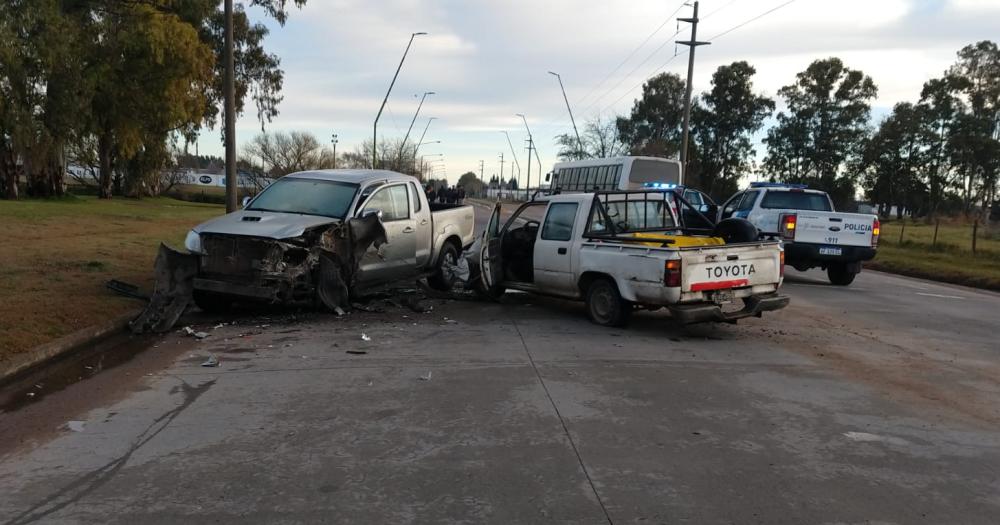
(723, 297)
(825, 250)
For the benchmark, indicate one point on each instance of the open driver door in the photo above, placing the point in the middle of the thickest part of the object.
(490, 257)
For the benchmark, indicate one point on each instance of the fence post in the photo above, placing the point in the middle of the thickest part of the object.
(975, 228)
(902, 228)
(937, 223)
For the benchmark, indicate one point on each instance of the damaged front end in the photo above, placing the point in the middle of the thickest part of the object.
(319, 265)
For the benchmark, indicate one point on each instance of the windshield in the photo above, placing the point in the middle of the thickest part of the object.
(307, 197)
(796, 200)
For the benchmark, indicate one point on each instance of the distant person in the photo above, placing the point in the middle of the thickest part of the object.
(461, 195)
(431, 194)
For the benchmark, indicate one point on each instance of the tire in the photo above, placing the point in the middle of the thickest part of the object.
(444, 278)
(736, 230)
(212, 302)
(605, 305)
(840, 275)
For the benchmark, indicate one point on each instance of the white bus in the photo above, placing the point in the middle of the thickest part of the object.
(615, 174)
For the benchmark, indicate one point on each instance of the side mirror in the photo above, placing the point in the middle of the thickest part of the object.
(246, 200)
(368, 213)
(548, 176)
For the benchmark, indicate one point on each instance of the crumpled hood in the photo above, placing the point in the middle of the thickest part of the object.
(271, 225)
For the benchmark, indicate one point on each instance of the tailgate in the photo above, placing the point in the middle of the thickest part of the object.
(730, 266)
(836, 229)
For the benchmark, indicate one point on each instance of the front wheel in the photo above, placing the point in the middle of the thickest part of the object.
(445, 271)
(605, 305)
(840, 274)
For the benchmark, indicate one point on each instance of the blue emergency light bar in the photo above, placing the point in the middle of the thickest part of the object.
(660, 185)
(778, 185)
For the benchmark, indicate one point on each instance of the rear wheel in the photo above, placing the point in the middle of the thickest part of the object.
(605, 305)
(840, 274)
(212, 302)
(445, 277)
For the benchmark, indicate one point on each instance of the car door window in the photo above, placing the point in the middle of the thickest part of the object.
(417, 205)
(559, 221)
(392, 202)
(693, 197)
(747, 202)
(730, 207)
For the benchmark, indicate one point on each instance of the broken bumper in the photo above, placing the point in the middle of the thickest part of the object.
(706, 312)
(266, 293)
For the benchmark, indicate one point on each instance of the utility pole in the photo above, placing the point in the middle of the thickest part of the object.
(386, 99)
(402, 148)
(481, 179)
(579, 143)
(531, 146)
(334, 142)
(501, 168)
(692, 44)
(229, 87)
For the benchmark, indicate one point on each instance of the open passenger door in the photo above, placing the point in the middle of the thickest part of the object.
(490, 260)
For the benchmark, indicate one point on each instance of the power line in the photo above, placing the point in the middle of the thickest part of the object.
(754, 19)
(714, 37)
(630, 55)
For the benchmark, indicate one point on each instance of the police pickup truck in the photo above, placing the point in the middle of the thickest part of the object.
(814, 234)
(625, 250)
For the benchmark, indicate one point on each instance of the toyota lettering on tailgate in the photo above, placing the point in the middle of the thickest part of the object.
(733, 270)
(735, 275)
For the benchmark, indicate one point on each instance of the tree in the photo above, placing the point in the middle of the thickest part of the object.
(723, 124)
(940, 105)
(975, 142)
(283, 153)
(894, 160)
(654, 125)
(470, 181)
(600, 140)
(823, 128)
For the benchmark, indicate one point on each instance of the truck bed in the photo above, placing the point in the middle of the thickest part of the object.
(454, 219)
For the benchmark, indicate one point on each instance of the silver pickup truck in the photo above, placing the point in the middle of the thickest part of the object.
(325, 235)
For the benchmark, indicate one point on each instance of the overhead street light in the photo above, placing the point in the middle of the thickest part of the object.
(408, 130)
(386, 99)
(579, 143)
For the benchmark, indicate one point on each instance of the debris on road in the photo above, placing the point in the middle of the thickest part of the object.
(125, 289)
(174, 273)
(75, 426)
(426, 377)
(197, 335)
(339, 311)
(211, 362)
(357, 352)
(364, 337)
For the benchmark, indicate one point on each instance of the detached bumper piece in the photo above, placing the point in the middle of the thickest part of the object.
(709, 312)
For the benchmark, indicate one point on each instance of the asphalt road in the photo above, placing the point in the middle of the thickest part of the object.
(874, 403)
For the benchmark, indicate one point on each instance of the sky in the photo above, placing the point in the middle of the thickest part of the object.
(487, 61)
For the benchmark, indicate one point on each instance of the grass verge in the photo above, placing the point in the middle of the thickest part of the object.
(59, 253)
(949, 259)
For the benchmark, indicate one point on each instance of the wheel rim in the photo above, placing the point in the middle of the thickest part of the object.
(449, 267)
(601, 303)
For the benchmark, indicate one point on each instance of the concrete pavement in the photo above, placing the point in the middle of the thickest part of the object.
(876, 403)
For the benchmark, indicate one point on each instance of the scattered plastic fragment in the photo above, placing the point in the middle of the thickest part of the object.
(75, 426)
(364, 337)
(339, 311)
(357, 352)
(426, 377)
(212, 361)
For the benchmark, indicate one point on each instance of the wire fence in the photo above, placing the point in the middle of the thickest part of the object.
(974, 238)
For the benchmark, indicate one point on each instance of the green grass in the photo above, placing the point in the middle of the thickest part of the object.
(949, 259)
(58, 254)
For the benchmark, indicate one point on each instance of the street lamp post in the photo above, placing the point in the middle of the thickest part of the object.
(514, 154)
(579, 143)
(386, 99)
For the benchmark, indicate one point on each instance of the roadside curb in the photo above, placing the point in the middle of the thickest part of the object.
(62, 346)
(970, 284)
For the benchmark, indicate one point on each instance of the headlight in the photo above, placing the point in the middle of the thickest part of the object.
(193, 242)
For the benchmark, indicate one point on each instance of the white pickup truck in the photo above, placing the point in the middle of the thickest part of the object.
(620, 251)
(814, 234)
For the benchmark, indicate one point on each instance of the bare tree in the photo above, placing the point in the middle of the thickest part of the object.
(283, 153)
(600, 140)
